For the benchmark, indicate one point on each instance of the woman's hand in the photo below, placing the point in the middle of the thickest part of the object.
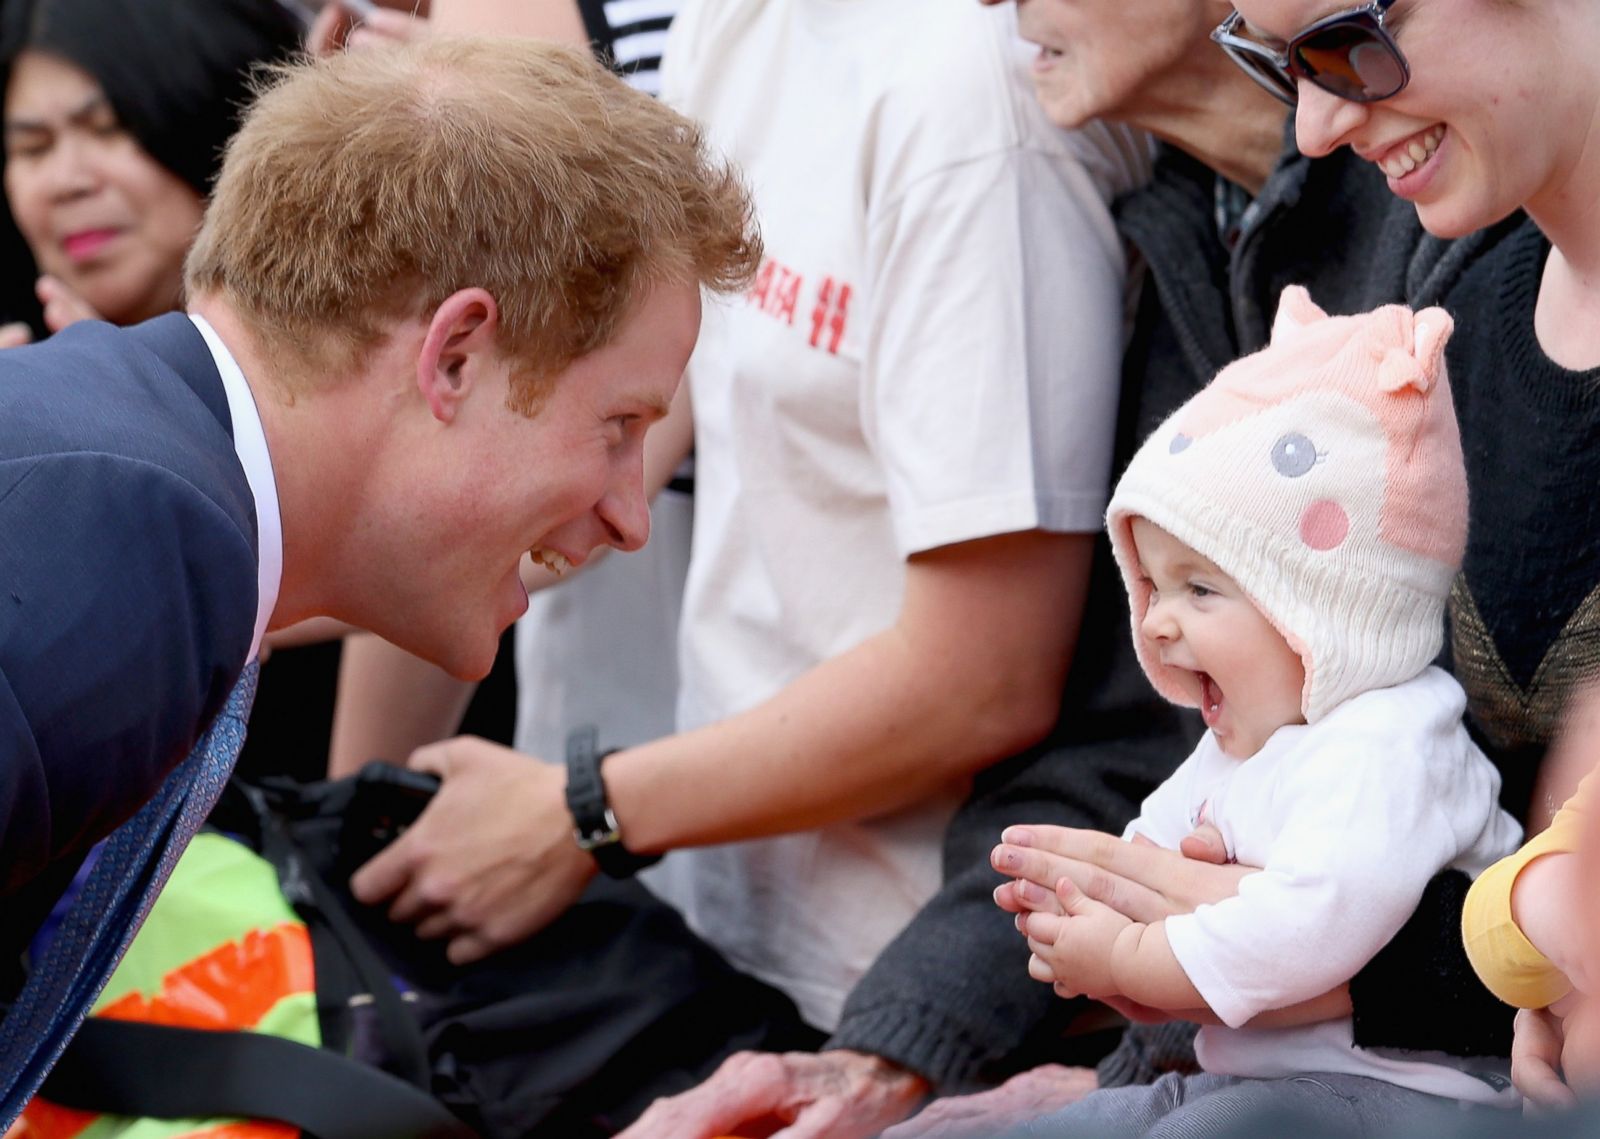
(336, 27)
(62, 306)
(1145, 883)
(1536, 1061)
(1140, 880)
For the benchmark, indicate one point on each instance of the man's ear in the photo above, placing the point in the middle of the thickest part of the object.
(461, 336)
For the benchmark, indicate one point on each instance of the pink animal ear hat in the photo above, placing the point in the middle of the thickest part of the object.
(1324, 475)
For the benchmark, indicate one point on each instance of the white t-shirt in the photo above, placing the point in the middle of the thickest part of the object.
(602, 649)
(930, 355)
(1348, 819)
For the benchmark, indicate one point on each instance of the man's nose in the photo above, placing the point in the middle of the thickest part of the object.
(1323, 121)
(625, 513)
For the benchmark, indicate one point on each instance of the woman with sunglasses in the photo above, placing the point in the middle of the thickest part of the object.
(1131, 61)
(1472, 110)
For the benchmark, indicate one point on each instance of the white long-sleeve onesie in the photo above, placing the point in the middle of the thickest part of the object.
(1348, 819)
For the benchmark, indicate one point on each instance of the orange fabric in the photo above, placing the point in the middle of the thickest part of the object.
(231, 987)
(44, 1120)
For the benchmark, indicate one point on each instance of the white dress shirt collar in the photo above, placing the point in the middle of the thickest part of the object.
(250, 444)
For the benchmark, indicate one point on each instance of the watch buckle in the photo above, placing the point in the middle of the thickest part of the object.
(609, 835)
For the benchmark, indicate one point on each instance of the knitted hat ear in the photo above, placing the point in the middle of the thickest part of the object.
(1296, 310)
(1421, 366)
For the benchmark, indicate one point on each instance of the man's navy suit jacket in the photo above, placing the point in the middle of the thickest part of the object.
(127, 587)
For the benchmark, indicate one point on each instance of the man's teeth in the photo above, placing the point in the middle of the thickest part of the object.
(550, 560)
(1404, 159)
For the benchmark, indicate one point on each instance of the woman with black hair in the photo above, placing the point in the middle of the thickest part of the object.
(116, 113)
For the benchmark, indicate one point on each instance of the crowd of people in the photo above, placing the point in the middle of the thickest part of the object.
(1100, 635)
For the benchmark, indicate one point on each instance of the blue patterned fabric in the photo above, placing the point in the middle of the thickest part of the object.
(134, 864)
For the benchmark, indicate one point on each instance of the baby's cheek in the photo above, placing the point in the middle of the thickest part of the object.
(1580, 1052)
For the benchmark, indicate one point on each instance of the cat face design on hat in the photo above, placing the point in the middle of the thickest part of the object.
(1324, 475)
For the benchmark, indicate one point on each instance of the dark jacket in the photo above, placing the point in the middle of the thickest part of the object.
(127, 586)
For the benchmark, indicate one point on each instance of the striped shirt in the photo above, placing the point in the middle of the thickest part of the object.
(629, 36)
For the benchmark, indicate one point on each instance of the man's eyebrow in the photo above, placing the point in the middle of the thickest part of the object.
(88, 107)
(660, 407)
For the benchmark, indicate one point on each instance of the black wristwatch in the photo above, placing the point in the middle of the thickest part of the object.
(594, 826)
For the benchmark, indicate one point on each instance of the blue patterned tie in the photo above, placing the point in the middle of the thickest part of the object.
(134, 864)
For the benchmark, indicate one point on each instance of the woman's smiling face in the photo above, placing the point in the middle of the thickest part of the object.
(1497, 114)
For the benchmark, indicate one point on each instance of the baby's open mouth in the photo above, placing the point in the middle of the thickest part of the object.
(1210, 699)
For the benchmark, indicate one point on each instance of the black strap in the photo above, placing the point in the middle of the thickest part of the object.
(326, 918)
(594, 825)
(135, 1069)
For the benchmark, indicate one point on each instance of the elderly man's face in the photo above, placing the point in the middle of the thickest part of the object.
(1112, 58)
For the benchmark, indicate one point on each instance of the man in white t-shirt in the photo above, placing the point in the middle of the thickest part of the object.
(903, 434)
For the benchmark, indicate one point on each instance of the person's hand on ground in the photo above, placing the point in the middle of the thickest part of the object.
(1025, 1096)
(838, 1094)
(491, 861)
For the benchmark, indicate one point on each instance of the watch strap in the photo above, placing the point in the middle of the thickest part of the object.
(595, 826)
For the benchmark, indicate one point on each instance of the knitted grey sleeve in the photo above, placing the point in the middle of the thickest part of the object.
(950, 998)
(1148, 1051)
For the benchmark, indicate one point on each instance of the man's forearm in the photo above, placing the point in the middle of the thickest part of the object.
(864, 734)
(970, 672)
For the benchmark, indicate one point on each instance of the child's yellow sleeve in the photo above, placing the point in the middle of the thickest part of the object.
(1507, 962)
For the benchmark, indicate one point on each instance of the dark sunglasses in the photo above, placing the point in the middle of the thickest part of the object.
(1349, 54)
